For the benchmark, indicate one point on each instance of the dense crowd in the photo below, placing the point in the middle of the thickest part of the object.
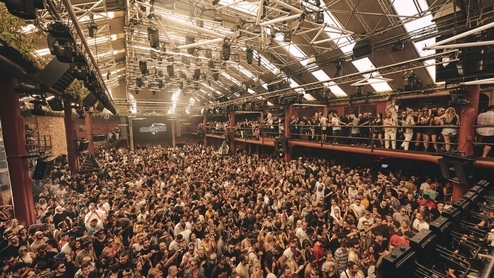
(186, 212)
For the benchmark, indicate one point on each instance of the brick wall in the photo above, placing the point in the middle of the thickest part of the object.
(50, 125)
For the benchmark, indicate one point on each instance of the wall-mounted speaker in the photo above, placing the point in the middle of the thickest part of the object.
(43, 168)
(424, 245)
(90, 100)
(399, 263)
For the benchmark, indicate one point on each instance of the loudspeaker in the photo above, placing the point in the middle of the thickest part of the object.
(457, 169)
(83, 144)
(100, 107)
(90, 100)
(99, 137)
(441, 227)
(56, 75)
(399, 263)
(362, 48)
(453, 214)
(424, 245)
(55, 104)
(281, 144)
(472, 197)
(43, 168)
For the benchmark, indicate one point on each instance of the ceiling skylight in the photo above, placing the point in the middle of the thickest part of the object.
(229, 77)
(378, 85)
(408, 8)
(251, 91)
(320, 75)
(293, 49)
(242, 6)
(245, 71)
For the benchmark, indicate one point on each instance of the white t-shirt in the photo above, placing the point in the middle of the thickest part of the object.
(419, 226)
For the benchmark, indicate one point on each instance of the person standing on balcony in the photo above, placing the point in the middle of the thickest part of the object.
(389, 125)
(408, 122)
(450, 121)
(485, 129)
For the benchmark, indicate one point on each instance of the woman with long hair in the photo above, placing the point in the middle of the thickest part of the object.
(378, 131)
(450, 122)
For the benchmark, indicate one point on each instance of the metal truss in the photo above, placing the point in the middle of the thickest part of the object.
(386, 70)
(63, 11)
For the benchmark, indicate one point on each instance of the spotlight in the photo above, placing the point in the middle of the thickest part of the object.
(92, 29)
(235, 57)
(136, 92)
(339, 68)
(160, 84)
(211, 64)
(108, 75)
(190, 40)
(320, 17)
(287, 36)
(153, 37)
(143, 66)
(359, 91)
(226, 49)
(218, 15)
(397, 46)
(61, 43)
(181, 85)
(160, 73)
(216, 76)
(170, 70)
(80, 68)
(208, 53)
(139, 82)
(154, 93)
(197, 74)
(459, 67)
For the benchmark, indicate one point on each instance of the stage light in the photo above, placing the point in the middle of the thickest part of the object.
(154, 93)
(459, 67)
(211, 64)
(139, 82)
(92, 27)
(108, 75)
(143, 66)
(197, 74)
(339, 68)
(80, 68)
(153, 37)
(208, 53)
(249, 55)
(170, 70)
(81, 113)
(216, 76)
(61, 43)
(226, 49)
(235, 57)
(320, 17)
(190, 40)
(458, 97)
(160, 84)
(181, 85)
(359, 91)
(218, 15)
(397, 46)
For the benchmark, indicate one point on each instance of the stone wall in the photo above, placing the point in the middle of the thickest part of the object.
(50, 125)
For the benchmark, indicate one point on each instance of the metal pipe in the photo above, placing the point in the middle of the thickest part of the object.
(73, 17)
(460, 45)
(193, 27)
(317, 35)
(462, 35)
(228, 5)
(290, 7)
(197, 44)
(259, 11)
(163, 29)
(280, 19)
(306, 31)
(332, 39)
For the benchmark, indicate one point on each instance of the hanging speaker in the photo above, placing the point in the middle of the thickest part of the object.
(56, 75)
(43, 168)
(90, 100)
(55, 104)
(362, 48)
(83, 145)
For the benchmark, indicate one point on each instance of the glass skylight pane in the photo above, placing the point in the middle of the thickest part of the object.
(320, 75)
(336, 90)
(365, 64)
(291, 48)
(345, 44)
(270, 103)
(245, 71)
(309, 97)
(242, 6)
(237, 94)
(265, 86)
(229, 77)
(251, 91)
(294, 84)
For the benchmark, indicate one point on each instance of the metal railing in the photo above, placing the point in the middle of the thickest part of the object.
(38, 144)
(423, 139)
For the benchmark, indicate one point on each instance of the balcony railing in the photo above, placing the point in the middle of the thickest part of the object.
(39, 144)
(422, 139)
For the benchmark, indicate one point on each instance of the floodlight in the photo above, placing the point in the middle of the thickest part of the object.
(339, 68)
(139, 82)
(190, 40)
(249, 54)
(160, 84)
(61, 42)
(153, 37)
(170, 70)
(226, 49)
(92, 27)
(143, 66)
(216, 76)
(197, 74)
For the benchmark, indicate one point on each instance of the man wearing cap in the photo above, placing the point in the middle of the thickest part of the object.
(177, 244)
(12, 247)
(223, 269)
(19, 270)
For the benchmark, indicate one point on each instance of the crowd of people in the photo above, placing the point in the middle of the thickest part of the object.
(186, 212)
(431, 129)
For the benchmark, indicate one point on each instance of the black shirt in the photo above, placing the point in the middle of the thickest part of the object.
(223, 272)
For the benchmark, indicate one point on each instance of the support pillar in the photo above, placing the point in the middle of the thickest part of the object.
(231, 131)
(174, 133)
(288, 117)
(14, 136)
(466, 132)
(131, 134)
(204, 124)
(71, 135)
(89, 132)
